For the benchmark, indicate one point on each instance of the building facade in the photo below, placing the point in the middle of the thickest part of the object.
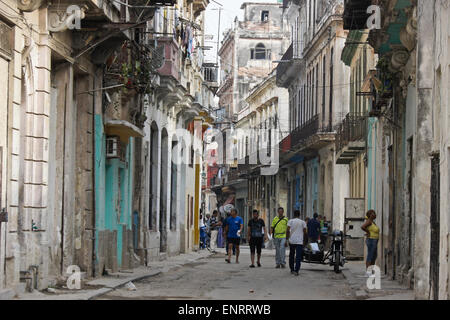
(260, 128)
(249, 53)
(315, 76)
(91, 103)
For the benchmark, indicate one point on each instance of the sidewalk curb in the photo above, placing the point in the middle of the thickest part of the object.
(357, 289)
(107, 289)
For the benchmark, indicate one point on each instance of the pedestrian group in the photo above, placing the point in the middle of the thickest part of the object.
(294, 233)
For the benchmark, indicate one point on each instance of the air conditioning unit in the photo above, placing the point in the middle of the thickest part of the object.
(112, 147)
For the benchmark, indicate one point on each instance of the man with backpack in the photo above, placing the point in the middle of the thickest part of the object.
(255, 236)
(278, 230)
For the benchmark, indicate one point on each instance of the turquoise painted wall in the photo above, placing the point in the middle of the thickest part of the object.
(114, 189)
(312, 169)
(100, 173)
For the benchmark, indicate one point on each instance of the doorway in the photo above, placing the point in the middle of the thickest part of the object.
(391, 251)
(435, 227)
(163, 191)
(4, 65)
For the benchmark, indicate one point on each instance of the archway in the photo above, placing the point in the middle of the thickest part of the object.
(174, 187)
(163, 190)
(154, 146)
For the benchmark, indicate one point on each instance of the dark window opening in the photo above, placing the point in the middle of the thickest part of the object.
(260, 52)
(265, 16)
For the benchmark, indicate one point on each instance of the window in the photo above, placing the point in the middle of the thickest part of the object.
(260, 52)
(331, 87)
(299, 105)
(246, 146)
(191, 162)
(265, 16)
(317, 89)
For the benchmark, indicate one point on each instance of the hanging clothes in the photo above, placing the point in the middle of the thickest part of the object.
(187, 36)
(182, 33)
(189, 48)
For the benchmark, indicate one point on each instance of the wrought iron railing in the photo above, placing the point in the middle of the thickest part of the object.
(210, 73)
(311, 127)
(232, 175)
(285, 65)
(352, 128)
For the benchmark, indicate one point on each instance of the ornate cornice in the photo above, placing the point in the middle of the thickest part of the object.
(29, 5)
(408, 34)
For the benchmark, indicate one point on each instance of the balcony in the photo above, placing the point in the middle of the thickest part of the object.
(351, 138)
(171, 67)
(310, 137)
(198, 6)
(210, 73)
(161, 2)
(132, 65)
(355, 14)
(289, 68)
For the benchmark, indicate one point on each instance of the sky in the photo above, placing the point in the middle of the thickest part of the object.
(231, 9)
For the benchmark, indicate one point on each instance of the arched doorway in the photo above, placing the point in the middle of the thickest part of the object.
(164, 190)
(154, 146)
(173, 189)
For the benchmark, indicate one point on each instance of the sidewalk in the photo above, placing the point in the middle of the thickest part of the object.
(354, 272)
(92, 289)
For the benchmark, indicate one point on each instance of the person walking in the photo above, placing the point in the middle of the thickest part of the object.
(296, 234)
(324, 231)
(233, 230)
(278, 230)
(255, 237)
(307, 222)
(225, 221)
(313, 229)
(202, 232)
(373, 234)
(214, 225)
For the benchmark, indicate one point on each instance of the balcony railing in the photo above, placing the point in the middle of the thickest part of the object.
(289, 68)
(210, 72)
(352, 128)
(312, 127)
(171, 65)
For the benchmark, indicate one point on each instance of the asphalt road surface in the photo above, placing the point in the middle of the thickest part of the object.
(213, 278)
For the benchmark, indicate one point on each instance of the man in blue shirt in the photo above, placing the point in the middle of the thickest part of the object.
(313, 229)
(233, 229)
(224, 224)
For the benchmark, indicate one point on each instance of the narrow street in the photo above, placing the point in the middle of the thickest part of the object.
(213, 278)
(133, 133)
